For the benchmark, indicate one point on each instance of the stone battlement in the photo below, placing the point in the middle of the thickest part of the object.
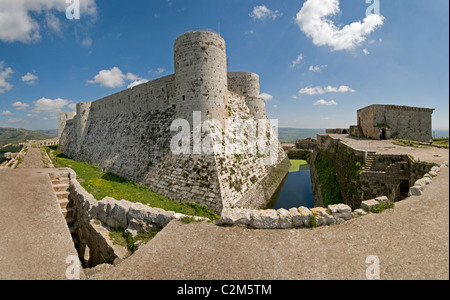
(402, 107)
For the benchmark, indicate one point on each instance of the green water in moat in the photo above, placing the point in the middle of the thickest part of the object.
(296, 189)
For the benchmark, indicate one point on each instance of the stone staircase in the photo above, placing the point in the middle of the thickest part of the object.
(370, 162)
(60, 184)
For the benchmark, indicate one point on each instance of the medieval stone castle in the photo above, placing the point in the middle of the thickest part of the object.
(129, 133)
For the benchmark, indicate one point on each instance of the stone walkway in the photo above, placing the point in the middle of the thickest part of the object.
(32, 160)
(431, 154)
(35, 240)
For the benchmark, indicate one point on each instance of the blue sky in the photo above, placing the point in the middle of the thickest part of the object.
(318, 60)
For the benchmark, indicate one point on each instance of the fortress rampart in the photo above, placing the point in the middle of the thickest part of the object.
(129, 133)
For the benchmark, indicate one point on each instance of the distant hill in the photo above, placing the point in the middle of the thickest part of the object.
(15, 136)
(290, 135)
(50, 131)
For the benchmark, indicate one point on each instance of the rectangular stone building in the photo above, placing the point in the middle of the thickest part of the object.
(394, 122)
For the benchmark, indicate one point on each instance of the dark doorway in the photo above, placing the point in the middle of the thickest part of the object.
(383, 134)
(404, 189)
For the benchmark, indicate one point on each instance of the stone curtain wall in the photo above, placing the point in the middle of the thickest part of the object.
(335, 171)
(245, 180)
(366, 123)
(63, 118)
(129, 134)
(408, 123)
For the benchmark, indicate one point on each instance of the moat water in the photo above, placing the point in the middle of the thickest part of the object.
(295, 191)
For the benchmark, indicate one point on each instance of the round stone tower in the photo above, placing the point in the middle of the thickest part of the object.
(201, 75)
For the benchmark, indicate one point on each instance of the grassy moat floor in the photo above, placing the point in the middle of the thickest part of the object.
(297, 165)
(101, 184)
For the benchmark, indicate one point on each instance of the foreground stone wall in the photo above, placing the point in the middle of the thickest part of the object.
(95, 220)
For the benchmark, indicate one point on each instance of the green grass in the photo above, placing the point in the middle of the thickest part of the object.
(436, 142)
(296, 165)
(101, 184)
(126, 240)
(382, 207)
(441, 142)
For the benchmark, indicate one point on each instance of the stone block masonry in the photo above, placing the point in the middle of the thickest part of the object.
(394, 121)
(344, 174)
(129, 133)
(92, 221)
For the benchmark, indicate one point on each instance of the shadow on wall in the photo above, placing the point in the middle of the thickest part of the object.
(114, 178)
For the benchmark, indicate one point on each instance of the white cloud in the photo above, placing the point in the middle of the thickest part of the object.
(317, 69)
(366, 52)
(158, 71)
(325, 103)
(49, 106)
(262, 12)
(5, 73)
(297, 61)
(7, 113)
(311, 91)
(329, 89)
(275, 106)
(132, 77)
(30, 78)
(53, 23)
(111, 78)
(341, 89)
(19, 19)
(72, 106)
(313, 21)
(20, 106)
(266, 96)
(114, 78)
(137, 82)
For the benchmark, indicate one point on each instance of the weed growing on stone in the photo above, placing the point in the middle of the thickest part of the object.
(382, 207)
(119, 237)
(313, 221)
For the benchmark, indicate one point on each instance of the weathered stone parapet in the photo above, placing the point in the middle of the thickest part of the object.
(96, 219)
(303, 217)
(421, 184)
(300, 217)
